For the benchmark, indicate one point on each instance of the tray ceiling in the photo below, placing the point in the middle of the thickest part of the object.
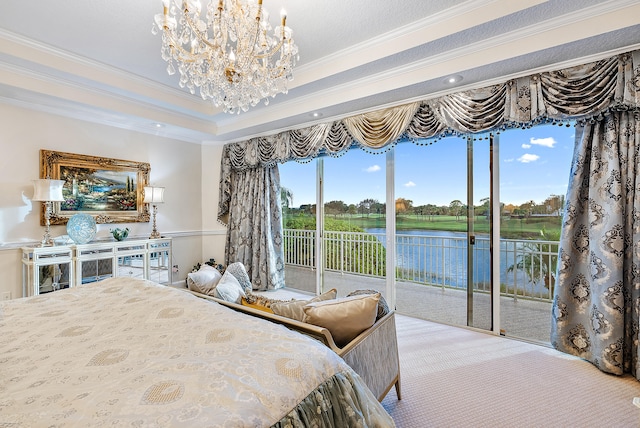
(98, 61)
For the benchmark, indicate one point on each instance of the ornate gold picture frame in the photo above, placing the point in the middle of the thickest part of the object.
(110, 190)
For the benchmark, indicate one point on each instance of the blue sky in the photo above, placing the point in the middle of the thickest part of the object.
(534, 163)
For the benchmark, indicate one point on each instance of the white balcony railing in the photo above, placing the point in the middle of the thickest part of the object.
(527, 267)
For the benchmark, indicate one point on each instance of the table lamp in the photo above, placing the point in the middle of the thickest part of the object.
(154, 196)
(48, 191)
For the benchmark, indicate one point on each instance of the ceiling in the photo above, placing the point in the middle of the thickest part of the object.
(97, 60)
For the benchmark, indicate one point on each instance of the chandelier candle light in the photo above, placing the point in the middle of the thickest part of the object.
(226, 50)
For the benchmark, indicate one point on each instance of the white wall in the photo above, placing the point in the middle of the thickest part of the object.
(189, 172)
(214, 232)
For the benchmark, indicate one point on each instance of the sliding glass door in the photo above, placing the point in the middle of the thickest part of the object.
(442, 231)
(534, 168)
(413, 226)
(298, 195)
(354, 222)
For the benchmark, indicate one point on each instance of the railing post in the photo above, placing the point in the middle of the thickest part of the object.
(342, 253)
(443, 263)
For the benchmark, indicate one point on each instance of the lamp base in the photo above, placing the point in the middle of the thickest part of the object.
(47, 240)
(154, 233)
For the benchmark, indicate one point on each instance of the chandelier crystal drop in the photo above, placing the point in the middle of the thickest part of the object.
(227, 50)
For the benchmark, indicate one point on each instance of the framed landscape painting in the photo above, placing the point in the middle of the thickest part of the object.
(110, 190)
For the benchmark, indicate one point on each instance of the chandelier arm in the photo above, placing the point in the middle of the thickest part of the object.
(176, 47)
(276, 48)
(248, 56)
(182, 54)
(272, 52)
(202, 36)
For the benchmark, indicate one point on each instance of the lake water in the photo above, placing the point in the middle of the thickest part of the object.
(440, 257)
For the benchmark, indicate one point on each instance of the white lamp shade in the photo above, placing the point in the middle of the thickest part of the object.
(45, 189)
(153, 195)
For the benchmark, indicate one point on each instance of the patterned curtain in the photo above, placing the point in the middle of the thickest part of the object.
(254, 235)
(596, 308)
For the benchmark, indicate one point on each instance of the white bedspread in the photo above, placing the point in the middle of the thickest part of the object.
(127, 352)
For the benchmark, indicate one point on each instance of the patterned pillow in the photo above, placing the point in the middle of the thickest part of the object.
(238, 270)
(383, 307)
(247, 301)
(260, 300)
(293, 309)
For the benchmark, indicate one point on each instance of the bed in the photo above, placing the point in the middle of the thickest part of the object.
(130, 352)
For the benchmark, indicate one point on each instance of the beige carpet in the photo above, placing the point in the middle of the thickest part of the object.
(454, 377)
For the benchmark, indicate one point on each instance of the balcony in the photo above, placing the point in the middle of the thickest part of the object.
(431, 275)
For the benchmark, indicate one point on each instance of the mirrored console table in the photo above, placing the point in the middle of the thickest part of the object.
(47, 269)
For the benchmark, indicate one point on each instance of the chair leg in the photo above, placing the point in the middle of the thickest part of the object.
(398, 394)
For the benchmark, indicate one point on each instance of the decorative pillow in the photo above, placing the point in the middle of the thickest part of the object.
(293, 309)
(204, 280)
(345, 318)
(383, 308)
(238, 270)
(258, 306)
(229, 289)
(261, 300)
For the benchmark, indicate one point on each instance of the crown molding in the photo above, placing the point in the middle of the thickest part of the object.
(63, 61)
(444, 23)
(61, 96)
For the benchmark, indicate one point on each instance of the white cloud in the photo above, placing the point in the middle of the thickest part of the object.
(528, 157)
(373, 168)
(410, 184)
(509, 160)
(546, 142)
(526, 146)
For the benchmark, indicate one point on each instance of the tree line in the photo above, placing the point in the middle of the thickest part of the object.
(551, 206)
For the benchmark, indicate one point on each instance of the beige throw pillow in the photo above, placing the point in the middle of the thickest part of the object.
(293, 308)
(383, 308)
(345, 318)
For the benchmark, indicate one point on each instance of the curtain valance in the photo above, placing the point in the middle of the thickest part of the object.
(578, 92)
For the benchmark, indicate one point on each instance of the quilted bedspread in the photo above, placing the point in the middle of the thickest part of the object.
(129, 352)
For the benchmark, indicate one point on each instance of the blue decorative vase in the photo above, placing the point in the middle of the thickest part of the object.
(81, 228)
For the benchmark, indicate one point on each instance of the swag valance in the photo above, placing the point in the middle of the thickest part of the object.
(576, 93)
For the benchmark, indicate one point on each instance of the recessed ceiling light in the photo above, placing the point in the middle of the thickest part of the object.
(315, 114)
(158, 125)
(453, 79)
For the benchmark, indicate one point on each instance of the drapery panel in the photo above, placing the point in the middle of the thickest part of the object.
(573, 93)
(254, 235)
(596, 308)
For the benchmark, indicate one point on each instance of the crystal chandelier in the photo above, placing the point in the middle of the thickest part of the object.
(227, 51)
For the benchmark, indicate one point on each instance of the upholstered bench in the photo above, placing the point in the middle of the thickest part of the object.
(373, 353)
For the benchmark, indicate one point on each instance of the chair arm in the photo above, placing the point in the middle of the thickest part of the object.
(374, 356)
